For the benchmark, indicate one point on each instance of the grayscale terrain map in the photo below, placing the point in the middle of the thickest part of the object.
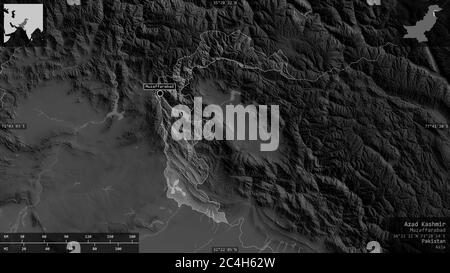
(364, 112)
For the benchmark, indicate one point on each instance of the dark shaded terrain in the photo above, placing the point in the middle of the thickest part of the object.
(356, 102)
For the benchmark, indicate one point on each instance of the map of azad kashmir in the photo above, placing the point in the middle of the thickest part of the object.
(297, 126)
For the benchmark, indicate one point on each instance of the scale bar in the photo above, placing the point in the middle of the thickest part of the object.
(65, 243)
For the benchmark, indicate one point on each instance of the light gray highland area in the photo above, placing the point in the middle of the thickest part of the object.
(73, 2)
(428, 22)
(374, 2)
